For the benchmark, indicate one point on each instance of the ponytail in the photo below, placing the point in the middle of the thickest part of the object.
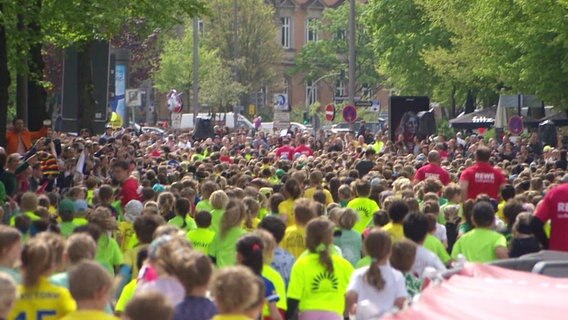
(182, 207)
(319, 236)
(232, 217)
(325, 258)
(374, 277)
(37, 259)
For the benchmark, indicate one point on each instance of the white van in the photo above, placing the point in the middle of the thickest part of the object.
(229, 119)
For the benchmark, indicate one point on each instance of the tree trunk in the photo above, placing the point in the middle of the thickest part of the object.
(4, 81)
(85, 87)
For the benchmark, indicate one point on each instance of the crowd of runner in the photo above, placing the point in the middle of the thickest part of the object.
(253, 225)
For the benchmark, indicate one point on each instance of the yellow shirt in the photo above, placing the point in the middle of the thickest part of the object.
(273, 276)
(365, 208)
(309, 193)
(200, 239)
(394, 230)
(125, 233)
(294, 240)
(499, 212)
(317, 289)
(126, 295)
(254, 223)
(44, 301)
(286, 209)
(89, 314)
(130, 259)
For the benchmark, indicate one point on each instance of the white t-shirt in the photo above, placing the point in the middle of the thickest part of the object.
(395, 287)
(425, 258)
(441, 233)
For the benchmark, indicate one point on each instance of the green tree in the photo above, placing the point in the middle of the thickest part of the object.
(255, 50)
(216, 85)
(329, 55)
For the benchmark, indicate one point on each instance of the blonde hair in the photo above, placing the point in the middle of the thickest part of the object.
(29, 202)
(80, 246)
(165, 202)
(269, 244)
(37, 260)
(8, 237)
(229, 280)
(86, 278)
(8, 292)
(319, 236)
(233, 216)
(304, 211)
(251, 211)
(57, 244)
(148, 305)
(347, 218)
(192, 268)
(219, 199)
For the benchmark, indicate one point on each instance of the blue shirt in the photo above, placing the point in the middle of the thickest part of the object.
(283, 262)
(195, 308)
(269, 291)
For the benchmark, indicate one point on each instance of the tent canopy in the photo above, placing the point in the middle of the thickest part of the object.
(484, 118)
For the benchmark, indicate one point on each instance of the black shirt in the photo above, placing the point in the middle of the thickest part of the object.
(522, 246)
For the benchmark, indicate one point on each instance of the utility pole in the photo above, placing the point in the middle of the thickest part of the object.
(235, 50)
(352, 78)
(195, 100)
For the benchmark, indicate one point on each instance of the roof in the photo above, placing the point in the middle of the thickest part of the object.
(484, 118)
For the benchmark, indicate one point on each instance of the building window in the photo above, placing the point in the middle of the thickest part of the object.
(340, 35)
(200, 26)
(311, 29)
(339, 88)
(285, 32)
(311, 93)
(366, 91)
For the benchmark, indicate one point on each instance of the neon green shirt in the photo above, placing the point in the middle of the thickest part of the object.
(363, 262)
(269, 273)
(204, 205)
(478, 245)
(316, 288)
(216, 215)
(200, 239)
(108, 253)
(223, 249)
(365, 208)
(126, 295)
(67, 228)
(188, 224)
(29, 214)
(435, 246)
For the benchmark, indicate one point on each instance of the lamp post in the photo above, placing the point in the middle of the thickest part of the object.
(352, 52)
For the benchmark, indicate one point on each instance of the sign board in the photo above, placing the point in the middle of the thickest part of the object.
(176, 120)
(349, 113)
(364, 104)
(133, 98)
(251, 109)
(280, 102)
(281, 120)
(330, 112)
(516, 125)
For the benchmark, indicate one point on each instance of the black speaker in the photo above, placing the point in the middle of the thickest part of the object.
(203, 129)
(547, 133)
(426, 123)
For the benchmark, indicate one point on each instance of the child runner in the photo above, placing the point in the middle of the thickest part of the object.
(249, 254)
(148, 305)
(207, 188)
(182, 219)
(222, 248)
(218, 200)
(345, 238)
(36, 296)
(397, 210)
(108, 251)
(251, 218)
(292, 191)
(90, 285)
(523, 241)
(482, 244)
(126, 234)
(379, 283)
(363, 205)
(66, 213)
(294, 239)
(415, 228)
(319, 279)
(8, 294)
(227, 282)
(201, 237)
(282, 260)
(78, 247)
(194, 272)
(10, 250)
(402, 258)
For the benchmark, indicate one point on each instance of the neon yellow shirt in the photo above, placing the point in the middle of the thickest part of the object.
(108, 253)
(254, 223)
(269, 273)
(89, 314)
(294, 240)
(286, 209)
(43, 301)
(231, 317)
(478, 245)
(188, 224)
(126, 295)
(316, 288)
(395, 230)
(80, 221)
(66, 228)
(125, 233)
(130, 259)
(436, 247)
(203, 204)
(309, 193)
(216, 215)
(499, 212)
(29, 214)
(200, 239)
(365, 208)
(223, 249)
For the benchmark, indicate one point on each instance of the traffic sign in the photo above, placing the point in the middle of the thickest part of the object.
(330, 112)
(349, 113)
(516, 125)
(365, 104)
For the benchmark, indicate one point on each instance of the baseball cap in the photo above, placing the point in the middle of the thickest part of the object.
(66, 205)
(547, 148)
(280, 173)
(158, 188)
(81, 205)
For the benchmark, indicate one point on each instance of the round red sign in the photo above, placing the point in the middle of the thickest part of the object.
(329, 112)
(516, 125)
(349, 113)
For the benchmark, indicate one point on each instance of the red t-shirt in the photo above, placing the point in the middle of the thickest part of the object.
(432, 171)
(483, 178)
(286, 151)
(304, 150)
(129, 191)
(225, 159)
(554, 207)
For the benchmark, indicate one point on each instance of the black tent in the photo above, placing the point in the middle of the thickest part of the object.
(484, 118)
(560, 119)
